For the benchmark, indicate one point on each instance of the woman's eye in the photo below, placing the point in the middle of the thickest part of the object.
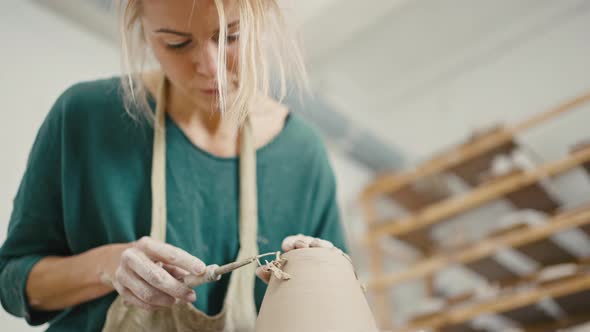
(233, 38)
(177, 46)
(229, 39)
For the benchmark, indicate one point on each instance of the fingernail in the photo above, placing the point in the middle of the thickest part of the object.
(199, 269)
(191, 297)
(300, 244)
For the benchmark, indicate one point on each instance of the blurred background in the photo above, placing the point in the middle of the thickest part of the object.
(456, 129)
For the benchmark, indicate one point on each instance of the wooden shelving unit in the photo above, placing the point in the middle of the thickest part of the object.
(430, 205)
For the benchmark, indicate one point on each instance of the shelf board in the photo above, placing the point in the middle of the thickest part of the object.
(503, 303)
(485, 248)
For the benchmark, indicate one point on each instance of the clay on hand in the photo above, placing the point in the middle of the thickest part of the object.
(151, 272)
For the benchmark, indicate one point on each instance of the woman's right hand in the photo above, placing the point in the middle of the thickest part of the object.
(150, 274)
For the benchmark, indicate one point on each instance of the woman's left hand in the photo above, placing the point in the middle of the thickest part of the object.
(291, 243)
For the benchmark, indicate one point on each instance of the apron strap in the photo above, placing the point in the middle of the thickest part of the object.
(239, 304)
(239, 300)
(158, 229)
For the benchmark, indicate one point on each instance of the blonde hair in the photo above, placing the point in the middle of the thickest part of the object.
(270, 58)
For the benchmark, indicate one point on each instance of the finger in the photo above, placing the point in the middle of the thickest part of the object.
(263, 274)
(175, 271)
(142, 290)
(155, 275)
(168, 254)
(314, 242)
(309, 240)
(130, 298)
(304, 242)
(301, 244)
(319, 243)
(289, 242)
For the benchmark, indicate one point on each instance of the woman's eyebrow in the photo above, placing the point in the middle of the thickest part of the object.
(174, 32)
(188, 34)
(231, 25)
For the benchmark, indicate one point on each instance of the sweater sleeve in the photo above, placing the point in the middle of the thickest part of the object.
(36, 228)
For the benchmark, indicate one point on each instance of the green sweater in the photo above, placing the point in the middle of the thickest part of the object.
(87, 183)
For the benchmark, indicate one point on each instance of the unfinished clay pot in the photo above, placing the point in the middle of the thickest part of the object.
(322, 295)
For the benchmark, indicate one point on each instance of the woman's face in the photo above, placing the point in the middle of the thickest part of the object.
(184, 36)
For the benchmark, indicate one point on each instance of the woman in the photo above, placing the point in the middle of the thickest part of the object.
(107, 181)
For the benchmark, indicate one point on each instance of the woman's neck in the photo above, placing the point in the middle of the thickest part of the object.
(188, 113)
(205, 127)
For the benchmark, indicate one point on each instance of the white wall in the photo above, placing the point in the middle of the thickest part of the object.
(42, 55)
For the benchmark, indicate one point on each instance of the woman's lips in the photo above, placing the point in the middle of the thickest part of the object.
(210, 91)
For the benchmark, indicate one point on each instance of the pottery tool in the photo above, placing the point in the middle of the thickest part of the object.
(214, 272)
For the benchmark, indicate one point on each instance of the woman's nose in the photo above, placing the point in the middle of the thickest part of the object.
(205, 60)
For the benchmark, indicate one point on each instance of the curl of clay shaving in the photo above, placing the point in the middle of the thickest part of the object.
(275, 266)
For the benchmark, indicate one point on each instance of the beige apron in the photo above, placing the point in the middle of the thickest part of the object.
(239, 310)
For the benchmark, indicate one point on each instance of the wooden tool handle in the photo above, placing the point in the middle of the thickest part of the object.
(209, 276)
